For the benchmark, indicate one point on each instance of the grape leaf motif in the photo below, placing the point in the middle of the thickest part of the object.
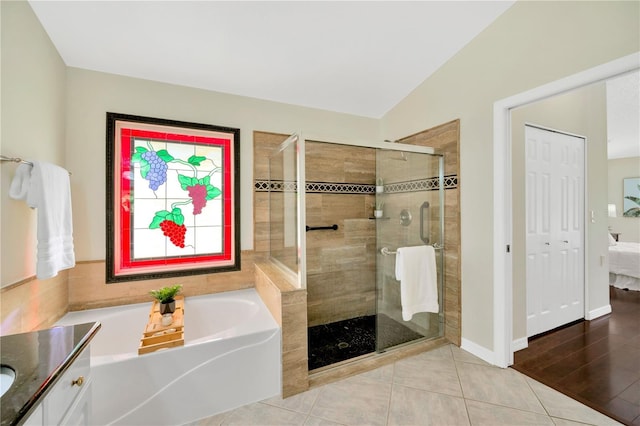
(153, 165)
(172, 225)
(200, 190)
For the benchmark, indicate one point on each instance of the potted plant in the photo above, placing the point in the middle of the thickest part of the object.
(165, 296)
(379, 185)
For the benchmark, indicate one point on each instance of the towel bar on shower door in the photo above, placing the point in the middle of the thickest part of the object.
(385, 250)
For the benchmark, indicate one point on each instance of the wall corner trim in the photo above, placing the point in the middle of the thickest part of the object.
(519, 344)
(598, 312)
(480, 351)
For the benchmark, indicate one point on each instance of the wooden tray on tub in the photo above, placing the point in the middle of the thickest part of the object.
(157, 336)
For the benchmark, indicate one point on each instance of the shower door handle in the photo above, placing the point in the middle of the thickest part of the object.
(424, 214)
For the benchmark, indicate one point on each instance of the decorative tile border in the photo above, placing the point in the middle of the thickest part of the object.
(431, 184)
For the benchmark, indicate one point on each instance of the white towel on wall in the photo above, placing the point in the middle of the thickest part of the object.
(416, 271)
(46, 187)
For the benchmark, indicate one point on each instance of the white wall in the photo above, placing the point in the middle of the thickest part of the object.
(628, 227)
(58, 114)
(531, 44)
(33, 127)
(581, 112)
(91, 94)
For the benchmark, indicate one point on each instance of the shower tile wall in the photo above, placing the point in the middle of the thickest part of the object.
(341, 263)
(445, 140)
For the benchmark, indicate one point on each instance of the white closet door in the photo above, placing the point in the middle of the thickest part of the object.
(554, 229)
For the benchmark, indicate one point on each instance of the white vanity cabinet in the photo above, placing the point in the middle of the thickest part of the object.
(69, 401)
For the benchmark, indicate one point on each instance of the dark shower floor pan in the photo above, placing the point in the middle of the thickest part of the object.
(342, 340)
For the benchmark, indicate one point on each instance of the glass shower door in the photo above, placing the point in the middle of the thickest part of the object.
(411, 200)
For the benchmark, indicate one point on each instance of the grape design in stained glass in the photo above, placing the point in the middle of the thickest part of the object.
(176, 193)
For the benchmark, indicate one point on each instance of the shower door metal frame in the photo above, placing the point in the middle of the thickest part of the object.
(301, 259)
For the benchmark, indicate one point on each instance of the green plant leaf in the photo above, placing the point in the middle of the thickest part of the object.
(136, 157)
(633, 199)
(205, 180)
(160, 216)
(166, 294)
(144, 169)
(165, 156)
(185, 181)
(196, 159)
(632, 212)
(178, 217)
(155, 223)
(141, 149)
(212, 192)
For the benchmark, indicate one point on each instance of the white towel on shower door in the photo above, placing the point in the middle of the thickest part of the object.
(46, 187)
(416, 271)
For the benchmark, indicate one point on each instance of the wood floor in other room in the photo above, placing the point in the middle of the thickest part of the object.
(595, 362)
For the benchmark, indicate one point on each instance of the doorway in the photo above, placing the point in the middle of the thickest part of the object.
(502, 204)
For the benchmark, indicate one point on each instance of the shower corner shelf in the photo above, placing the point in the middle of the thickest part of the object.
(157, 336)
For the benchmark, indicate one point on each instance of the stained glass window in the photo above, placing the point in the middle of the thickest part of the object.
(172, 194)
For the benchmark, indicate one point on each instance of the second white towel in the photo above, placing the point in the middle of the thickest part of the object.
(417, 273)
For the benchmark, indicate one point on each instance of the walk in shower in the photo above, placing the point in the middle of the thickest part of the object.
(324, 230)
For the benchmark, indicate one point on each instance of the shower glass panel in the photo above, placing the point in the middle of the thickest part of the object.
(286, 242)
(412, 200)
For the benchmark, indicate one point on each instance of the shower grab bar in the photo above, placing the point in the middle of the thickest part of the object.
(315, 228)
(385, 250)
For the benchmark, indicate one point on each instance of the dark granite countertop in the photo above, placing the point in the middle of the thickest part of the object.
(39, 359)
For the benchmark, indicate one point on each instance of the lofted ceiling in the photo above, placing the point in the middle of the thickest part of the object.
(356, 57)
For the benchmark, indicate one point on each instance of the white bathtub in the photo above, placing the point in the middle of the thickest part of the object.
(230, 357)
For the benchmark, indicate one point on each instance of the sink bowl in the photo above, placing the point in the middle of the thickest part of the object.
(7, 377)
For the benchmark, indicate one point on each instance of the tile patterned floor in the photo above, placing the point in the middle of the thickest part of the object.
(446, 386)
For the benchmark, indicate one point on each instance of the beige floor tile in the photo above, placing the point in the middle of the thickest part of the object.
(443, 352)
(382, 374)
(561, 406)
(432, 371)
(317, 421)
(564, 422)
(481, 413)
(498, 386)
(210, 421)
(421, 390)
(301, 402)
(354, 401)
(460, 355)
(418, 407)
(263, 415)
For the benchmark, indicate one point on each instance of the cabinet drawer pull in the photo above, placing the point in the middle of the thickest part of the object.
(79, 381)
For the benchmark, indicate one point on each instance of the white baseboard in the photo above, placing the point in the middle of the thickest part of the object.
(479, 351)
(598, 312)
(519, 344)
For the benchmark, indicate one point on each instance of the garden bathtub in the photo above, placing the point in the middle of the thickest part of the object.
(230, 357)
